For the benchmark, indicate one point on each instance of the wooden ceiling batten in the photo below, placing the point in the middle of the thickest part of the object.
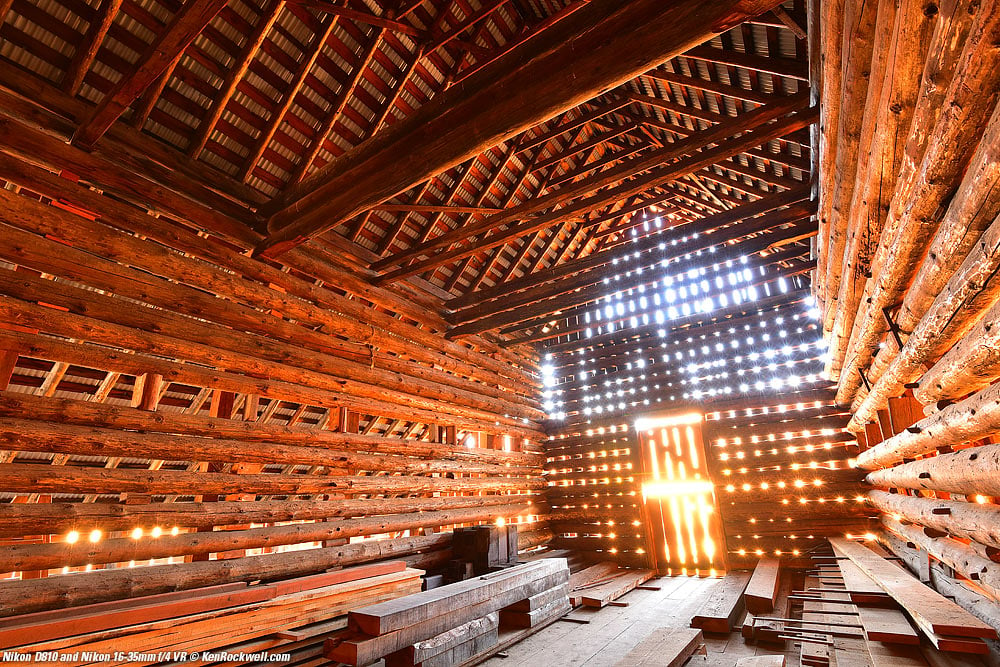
(623, 26)
(183, 29)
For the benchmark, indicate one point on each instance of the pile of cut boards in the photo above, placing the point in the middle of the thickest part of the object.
(852, 614)
(457, 624)
(290, 616)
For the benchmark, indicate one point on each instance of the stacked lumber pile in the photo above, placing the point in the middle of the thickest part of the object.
(851, 617)
(481, 549)
(291, 616)
(458, 623)
(948, 626)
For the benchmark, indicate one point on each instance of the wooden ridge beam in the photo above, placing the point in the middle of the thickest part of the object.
(549, 81)
(168, 46)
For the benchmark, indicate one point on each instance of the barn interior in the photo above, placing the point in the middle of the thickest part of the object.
(504, 332)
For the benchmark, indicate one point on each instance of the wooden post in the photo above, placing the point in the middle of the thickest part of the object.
(8, 361)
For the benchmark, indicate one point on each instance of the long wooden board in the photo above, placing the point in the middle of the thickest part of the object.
(762, 591)
(933, 613)
(720, 611)
(444, 642)
(887, 625)
(666, 647)
(627, 580)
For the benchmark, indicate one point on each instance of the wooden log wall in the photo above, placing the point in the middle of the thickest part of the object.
(777, 447)
(909, 292)
(177, 414)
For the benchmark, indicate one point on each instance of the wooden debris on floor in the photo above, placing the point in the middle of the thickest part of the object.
(294, 615)
(769, 628)
(666, 647)
(404, 627)
(721, 611)
(609, 591)
(947, 626)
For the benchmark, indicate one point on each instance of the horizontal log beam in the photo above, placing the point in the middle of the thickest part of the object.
(971, 419)
(31, 478)
(971, 521)
(27, 557)
(27, 435)
(99, 415)
(969, 471)
(28, 519)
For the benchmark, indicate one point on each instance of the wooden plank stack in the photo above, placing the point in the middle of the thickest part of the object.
(482, 549)
(455, 619)
(944, 623)
(290, 616)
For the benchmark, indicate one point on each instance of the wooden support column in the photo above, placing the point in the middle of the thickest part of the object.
(146, 391)
(598, 47)
(8, 361)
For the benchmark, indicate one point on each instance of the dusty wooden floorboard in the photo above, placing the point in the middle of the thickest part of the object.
(614, 631)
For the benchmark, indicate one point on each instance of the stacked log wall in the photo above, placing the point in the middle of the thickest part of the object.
(170, 402)
(912, 318)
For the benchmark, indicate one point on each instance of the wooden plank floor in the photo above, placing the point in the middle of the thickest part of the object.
(614, 631)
